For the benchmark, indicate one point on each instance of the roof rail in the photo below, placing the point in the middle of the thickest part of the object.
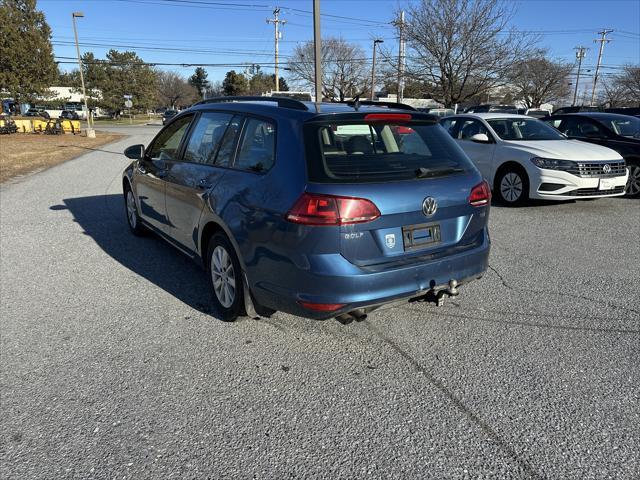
(398, 106)
(281, 101)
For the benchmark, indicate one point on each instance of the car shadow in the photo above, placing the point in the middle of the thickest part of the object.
(102, 217)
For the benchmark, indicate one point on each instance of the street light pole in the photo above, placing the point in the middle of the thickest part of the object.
(373, 68)
(90, 132)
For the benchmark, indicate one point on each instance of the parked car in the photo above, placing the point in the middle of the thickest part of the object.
(441, 112)
(318, 212)
(523, 158)
(37, 112)
(537, 113)
(168, 115)
(488, 108)
(575, 109)
(69, 115)
(618, 132)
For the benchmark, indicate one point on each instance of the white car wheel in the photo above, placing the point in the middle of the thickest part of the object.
(511, 187)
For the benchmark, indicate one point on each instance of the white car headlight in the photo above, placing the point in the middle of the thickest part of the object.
(554, 164)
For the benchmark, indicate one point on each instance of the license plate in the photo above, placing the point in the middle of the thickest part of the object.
(420, 236)
(606, 184)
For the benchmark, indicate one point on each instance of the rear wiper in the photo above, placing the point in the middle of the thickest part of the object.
(425, 172)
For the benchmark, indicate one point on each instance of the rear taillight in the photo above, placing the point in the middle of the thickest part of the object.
(316, 209)
(480, 194)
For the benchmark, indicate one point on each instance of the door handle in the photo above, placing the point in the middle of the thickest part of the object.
(203, 184)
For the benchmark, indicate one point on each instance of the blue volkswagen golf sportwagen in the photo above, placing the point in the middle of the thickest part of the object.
(319, 210)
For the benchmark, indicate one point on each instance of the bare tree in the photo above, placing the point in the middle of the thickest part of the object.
(345, 68)
(462, 48)
(537, 80)
(621, 90)
(215, 89)
(173, 90)
(629, 82)
(613, 94)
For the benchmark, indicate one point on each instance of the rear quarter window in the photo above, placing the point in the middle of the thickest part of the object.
(358, 152)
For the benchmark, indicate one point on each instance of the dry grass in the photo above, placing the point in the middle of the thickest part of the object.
(23, 153)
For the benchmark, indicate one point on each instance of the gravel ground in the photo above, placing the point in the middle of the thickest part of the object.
(112, 368)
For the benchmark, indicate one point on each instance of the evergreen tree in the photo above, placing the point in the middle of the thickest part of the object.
(199, 81)
(27, 66)
(235, 84)
(122, 73)
(261, 83)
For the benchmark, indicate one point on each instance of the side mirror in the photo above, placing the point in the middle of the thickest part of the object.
(135, 152)
(479, 138)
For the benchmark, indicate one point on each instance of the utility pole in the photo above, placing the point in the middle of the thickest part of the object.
(276, 22)
(317, 48)
(373, 68)
(401, 46)
(580, 54)
(603, 39)
(90, 132)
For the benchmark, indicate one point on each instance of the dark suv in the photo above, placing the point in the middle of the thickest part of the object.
(321, 211)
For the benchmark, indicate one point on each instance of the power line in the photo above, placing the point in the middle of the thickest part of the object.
(165, 49)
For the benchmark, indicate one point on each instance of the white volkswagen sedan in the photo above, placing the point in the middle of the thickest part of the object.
(525, 158)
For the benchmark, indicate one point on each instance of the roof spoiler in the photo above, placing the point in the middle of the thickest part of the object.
(397, 106)
(280, 101)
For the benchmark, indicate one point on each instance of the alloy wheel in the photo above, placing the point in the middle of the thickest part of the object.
(633, 184)
(223, 276)
(511, 187)
(131, 210)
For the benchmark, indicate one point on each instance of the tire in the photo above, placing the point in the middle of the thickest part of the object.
(511, 186)
(633, 184)
(225, 278)
(131, 212)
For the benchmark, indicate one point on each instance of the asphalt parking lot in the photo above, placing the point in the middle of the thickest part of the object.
(112, 366)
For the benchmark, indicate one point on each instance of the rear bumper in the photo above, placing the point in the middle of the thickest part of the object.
(334, 280)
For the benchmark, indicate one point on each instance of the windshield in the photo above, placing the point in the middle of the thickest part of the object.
(356, 151)
(625, 126)
(523, 129)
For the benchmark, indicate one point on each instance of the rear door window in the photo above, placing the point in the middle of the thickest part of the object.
(378, 152)
(257, 148)
(206, 137)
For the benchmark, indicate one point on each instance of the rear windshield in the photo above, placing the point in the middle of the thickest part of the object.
(377, 152)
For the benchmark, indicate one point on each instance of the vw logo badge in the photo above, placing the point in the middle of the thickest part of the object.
(429, 206)
(606, 168)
